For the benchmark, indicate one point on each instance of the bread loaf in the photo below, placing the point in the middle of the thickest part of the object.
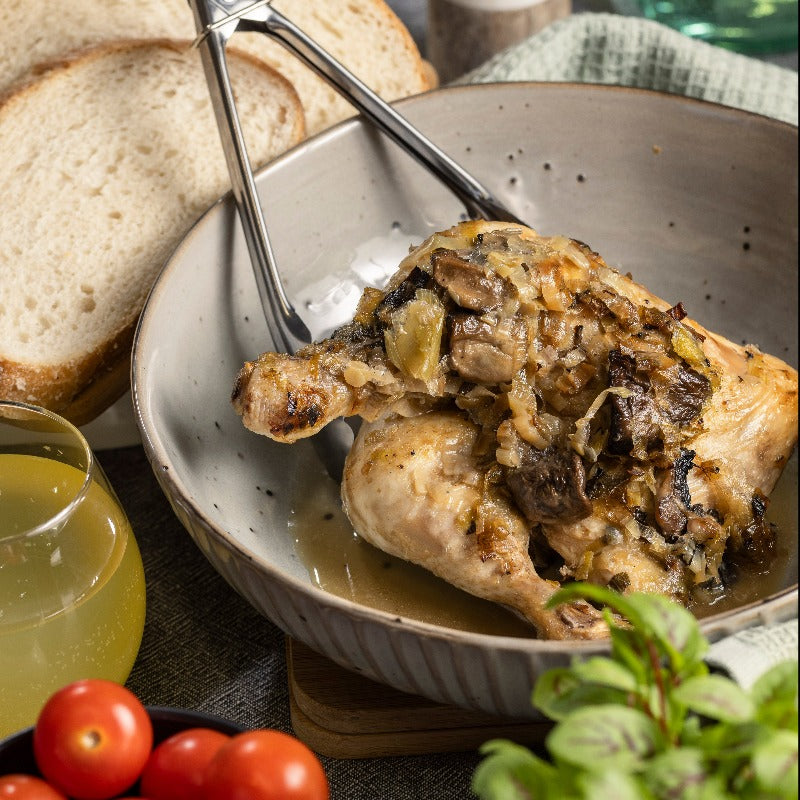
(109, 158)
(366, 36)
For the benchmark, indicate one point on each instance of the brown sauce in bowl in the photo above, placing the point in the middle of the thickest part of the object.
(342, 563)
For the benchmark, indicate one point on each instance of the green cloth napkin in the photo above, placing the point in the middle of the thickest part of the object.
(631, 51)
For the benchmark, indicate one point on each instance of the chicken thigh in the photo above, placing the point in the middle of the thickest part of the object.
(417, 490)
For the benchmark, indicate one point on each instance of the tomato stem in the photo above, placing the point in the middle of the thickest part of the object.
(91, 739)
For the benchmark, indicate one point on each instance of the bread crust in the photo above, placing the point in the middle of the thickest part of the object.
(84, 386)
(79, 390)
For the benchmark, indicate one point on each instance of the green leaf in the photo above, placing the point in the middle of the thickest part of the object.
(679, 774)
(692, 733)
(552, 688)
(512, 772)
(611, 784)
(604, 737)
(716, 697)
(583, 696)
(779, 682)
(598, 594)
(558, 692)
(606, 672)
(628, 647)
(775, 696)
(666, 624)
(775, 764)
(779, 715)
(674, 627)
(727, 741)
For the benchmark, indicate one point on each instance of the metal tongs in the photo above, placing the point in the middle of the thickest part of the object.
(216, 21)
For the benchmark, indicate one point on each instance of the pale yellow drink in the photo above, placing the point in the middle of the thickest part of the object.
(72, 600)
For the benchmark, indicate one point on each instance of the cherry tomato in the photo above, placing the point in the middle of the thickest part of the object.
(92, 739)
(265, 765)
(175, 768)
(26, 787)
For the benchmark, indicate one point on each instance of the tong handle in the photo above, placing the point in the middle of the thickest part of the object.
(477, 199)
(285, 325)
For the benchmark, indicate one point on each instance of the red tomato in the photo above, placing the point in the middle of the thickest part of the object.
(26, 787)
(175, 768)
(265, 765)
(92, 739)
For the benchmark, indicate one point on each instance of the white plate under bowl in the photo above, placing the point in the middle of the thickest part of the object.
(698, 201)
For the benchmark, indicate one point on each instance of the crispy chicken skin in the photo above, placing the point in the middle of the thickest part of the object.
(532, 411)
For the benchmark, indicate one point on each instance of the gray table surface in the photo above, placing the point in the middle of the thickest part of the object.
(205, 648)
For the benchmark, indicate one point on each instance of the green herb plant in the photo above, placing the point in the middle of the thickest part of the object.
(651, 722)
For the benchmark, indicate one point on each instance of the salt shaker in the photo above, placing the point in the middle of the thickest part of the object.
(462, 34)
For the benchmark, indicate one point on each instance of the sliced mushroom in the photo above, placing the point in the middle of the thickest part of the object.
(487, 351)
(469, 285)
(550, 486)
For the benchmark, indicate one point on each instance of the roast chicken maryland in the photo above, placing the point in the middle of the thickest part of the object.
(531, 417)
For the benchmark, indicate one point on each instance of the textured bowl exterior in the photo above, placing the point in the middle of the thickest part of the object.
(648, 180)
(492, 674)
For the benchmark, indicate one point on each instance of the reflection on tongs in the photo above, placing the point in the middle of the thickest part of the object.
(216, 21)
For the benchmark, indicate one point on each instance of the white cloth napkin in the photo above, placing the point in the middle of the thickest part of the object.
(748, 654)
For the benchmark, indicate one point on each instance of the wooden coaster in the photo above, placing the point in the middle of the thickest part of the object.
(344, 715)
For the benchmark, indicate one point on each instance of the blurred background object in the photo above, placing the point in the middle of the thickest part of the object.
(766, 29)
(463, 34)
(747, 26)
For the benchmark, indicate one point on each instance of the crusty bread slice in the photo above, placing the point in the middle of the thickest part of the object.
(108, 159)
(365, 35)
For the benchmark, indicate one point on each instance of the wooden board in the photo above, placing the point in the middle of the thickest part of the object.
(344, 715)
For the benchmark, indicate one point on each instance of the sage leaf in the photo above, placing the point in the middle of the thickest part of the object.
(604, 737)
(716, 697)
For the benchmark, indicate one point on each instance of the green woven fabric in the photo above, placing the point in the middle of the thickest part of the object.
(630, 51)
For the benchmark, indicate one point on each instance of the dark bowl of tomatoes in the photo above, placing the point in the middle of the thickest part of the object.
(94, 739)
(16, 751)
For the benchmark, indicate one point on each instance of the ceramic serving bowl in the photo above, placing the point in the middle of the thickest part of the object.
(697, 201)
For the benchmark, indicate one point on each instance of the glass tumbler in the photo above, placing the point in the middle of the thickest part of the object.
(72, 591)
